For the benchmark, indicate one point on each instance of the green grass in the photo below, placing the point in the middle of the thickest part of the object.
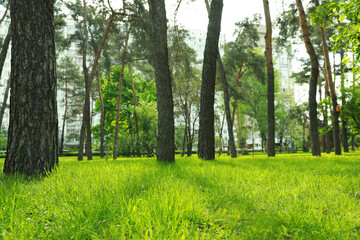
(287, 197)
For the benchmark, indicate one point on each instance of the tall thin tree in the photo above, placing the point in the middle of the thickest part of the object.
(166, 133)
(314, 131)
(86, 125)
(118, 102)
(270, 81)
(33, 131)
(206, 143)
(335, 107)
(224, 82)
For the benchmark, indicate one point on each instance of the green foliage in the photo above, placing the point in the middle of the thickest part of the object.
(297, 197)
(145, 94)
(351, 110)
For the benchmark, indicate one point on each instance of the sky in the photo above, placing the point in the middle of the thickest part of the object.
(193, 15)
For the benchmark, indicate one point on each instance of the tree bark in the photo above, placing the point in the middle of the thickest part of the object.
(206, 122)
(135, 113)
(3, 54)
(237, 84)
(33, 131)
(343, 102)
(166, 133)
(3, 105)
(61, 149)
(270, 82)
(118, 102)
(314, 131)
(102, 116)
(85, 126)
(224, 82)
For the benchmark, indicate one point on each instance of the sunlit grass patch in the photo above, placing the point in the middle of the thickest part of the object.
(289, 196)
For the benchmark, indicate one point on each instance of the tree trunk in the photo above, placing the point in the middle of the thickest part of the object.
(61, 149)
(3, 54)
(230, 124)
(3, 105)
(231, 143)
(237, 84)
(135, 113)
(166, 134)
(4, 49)
(206, 122)
(270, 82)
(336, 113)
(314, 131)
(102, 116)
(116, 136)
(304, 132)
(343, 102)
(33, 131)
(85, 126)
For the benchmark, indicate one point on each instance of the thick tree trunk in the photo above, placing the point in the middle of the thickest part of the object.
(314, 131)
(118, 102)
(85, 126)
(33, 131)
(165, 139)
(61, 149)
(206, 122)
(270, 82)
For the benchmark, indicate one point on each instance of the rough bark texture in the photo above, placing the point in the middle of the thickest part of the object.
(165, 139)
(206, 121)
(314, 131)
(270, 82)
(86, 125)
(33, 131)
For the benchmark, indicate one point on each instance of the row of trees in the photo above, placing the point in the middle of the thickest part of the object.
(126, 100)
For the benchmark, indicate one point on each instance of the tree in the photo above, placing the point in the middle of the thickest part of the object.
(146, 93)
(270, 81)
(225, 87)
(33, 131)
(335, 112)
(3, 54)
(86, 122)
(69, 80)
(206, 144)
(186, 86)
(166, 140)
(314, 131)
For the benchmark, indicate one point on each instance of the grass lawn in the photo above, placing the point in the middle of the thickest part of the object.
(293, 196)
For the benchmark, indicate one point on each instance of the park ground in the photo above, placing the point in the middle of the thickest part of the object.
(290, 196)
